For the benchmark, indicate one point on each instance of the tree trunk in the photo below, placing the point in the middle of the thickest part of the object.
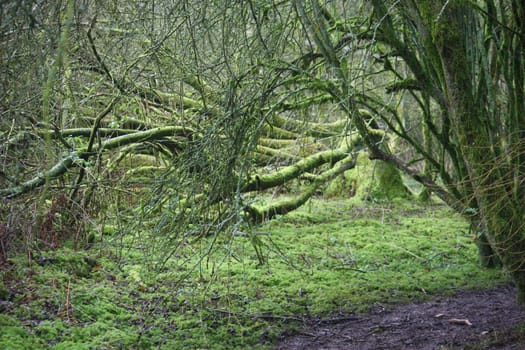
(507, 236)
(491, 178)
(488, 258)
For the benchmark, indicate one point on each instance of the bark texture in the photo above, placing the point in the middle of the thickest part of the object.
(491, 175)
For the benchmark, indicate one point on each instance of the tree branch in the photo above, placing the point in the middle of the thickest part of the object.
(75, 157)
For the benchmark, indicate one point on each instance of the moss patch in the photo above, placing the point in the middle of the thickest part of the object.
(329, 257)
(385, 183)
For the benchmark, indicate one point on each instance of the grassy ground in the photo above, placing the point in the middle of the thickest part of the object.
(328, 258)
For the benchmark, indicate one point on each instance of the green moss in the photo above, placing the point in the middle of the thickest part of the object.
(369, 180)
(15, 336)
(50, 331)
(4, 292)
(325, 258)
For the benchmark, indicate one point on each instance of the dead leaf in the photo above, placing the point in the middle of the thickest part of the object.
(460, 321)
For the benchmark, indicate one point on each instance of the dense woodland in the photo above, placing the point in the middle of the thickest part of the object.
(188, 120)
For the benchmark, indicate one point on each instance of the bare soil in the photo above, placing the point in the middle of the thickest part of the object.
(486, 319)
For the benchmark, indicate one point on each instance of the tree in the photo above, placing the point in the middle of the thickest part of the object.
(481, 50)
(130, 87)
(467, 58)
(237, 98)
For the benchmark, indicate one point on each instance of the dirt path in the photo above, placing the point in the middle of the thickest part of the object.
(470, 317)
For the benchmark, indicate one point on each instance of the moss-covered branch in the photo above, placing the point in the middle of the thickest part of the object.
(85, 132)
(309, 128)
(278, 143)
(278, 133)
(56, 171)
(265, 154)
(260, 214)
(148, 135)
(76, 157)
(262, 182)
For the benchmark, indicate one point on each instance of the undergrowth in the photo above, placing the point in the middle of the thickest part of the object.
(325, 260)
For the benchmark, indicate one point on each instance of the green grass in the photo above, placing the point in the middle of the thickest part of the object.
(328, 258)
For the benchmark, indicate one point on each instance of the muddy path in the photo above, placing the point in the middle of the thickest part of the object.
(482, 319)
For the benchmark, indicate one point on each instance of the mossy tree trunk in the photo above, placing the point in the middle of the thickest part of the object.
(488, 258)
(427, 145)
(463, 58)
(494, 167)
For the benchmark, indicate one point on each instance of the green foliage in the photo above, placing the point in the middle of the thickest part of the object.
(326, 258)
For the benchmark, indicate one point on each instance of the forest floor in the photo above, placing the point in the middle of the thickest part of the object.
(336, 274)
(481, 319)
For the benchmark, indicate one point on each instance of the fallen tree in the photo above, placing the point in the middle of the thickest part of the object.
(78, 157)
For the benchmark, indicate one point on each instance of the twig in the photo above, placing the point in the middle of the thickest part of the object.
(66, 312)
(463, 322)
(68, 301)
(337, 320)
(263, 317)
